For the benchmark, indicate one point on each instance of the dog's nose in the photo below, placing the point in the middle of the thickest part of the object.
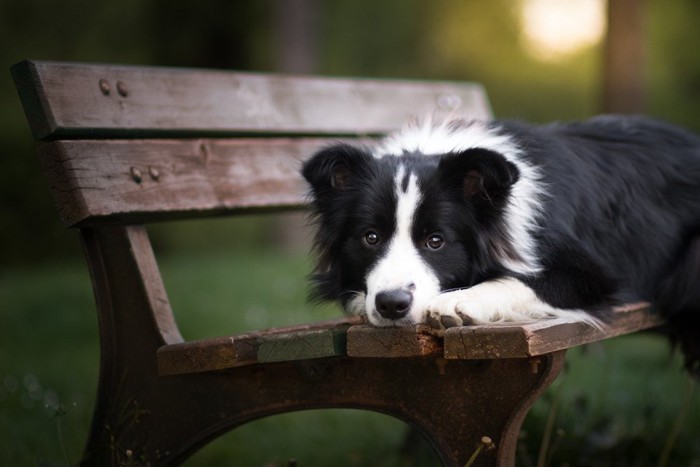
(393, 304)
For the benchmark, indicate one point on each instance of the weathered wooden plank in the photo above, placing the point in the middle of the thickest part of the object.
(102, 181)
(302, 345)
(340, 337)
(414, 341)
(519, 341)
(315, 340)
(69, 99)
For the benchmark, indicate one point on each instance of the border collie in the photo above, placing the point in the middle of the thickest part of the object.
(458, 223)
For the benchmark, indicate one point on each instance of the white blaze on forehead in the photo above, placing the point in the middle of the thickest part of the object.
(408, 198)
(402, 266)
(525, 201)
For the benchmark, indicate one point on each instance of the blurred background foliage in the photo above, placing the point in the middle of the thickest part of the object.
(539, 60)
(490, 42)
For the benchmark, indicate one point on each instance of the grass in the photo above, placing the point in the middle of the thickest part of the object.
(623, 402)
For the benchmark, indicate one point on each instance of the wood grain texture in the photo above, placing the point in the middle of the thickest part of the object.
(541, 337)
(71, 99)
(315, 340)
(118, 181)
(341, 337)
(370, 341)
(302, 345)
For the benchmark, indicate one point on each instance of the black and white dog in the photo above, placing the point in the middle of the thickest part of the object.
(479, 222)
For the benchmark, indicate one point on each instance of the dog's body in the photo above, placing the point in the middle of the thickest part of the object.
(480, 222)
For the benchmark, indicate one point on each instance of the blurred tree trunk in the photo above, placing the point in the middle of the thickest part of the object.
(295, 25)
(625, 53)
(296, 28)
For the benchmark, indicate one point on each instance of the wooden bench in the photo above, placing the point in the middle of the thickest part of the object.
(123, 146)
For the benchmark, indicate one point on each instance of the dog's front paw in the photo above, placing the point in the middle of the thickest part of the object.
(449, 310)
(505, 300)
(495, 301)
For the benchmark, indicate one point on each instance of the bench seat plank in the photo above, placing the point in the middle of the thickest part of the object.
(348, 336)
(316, 340)
(73, 99)
(301, 345)
(541, 337)
(106, 181)
(413, 341)
(497, 340)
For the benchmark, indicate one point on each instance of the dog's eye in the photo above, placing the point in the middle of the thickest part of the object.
(435, 242)
(371, 238)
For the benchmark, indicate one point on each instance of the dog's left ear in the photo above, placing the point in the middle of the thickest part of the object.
(484, 176)
(335, 168)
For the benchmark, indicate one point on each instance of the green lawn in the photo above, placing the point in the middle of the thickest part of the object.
(618, 403)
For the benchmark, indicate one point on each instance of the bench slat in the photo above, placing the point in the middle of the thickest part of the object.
(349, 337)
(106, 181)
(415, 341)
(302, 345)
(541, 337)
(72, 100)
(316, 340)
(495, 341)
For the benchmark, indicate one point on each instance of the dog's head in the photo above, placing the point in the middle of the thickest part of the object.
(394, 230)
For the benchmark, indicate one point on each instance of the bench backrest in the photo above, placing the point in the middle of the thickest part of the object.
(123, 144)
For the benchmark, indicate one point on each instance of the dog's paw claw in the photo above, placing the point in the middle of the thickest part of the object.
(433, 321)
(466, 319)
(443, 315)
(448, 321)
(450, 310)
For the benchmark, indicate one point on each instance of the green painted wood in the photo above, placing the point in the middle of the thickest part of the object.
(300, 342)
(302, 345)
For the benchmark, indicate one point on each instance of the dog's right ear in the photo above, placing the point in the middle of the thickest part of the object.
(333, 169)
(484, 176)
